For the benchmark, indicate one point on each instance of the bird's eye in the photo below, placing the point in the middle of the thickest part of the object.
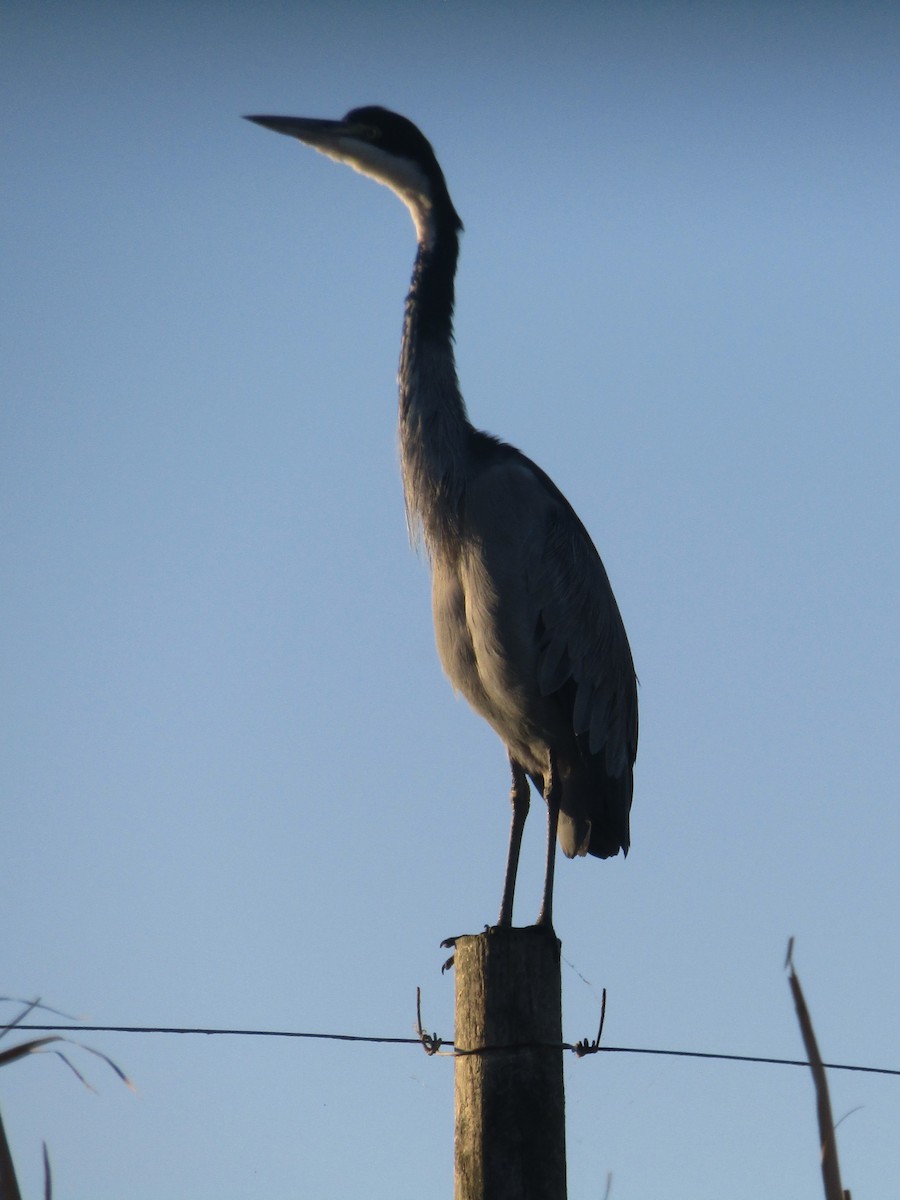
(373, 133)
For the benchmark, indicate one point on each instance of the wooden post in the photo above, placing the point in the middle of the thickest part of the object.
(510, 1105)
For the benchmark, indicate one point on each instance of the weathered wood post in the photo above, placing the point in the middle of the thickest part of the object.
(510, 1105)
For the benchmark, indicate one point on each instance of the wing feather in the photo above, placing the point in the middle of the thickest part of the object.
(582, 641)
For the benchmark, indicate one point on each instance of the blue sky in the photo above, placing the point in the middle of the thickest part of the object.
(236, 789)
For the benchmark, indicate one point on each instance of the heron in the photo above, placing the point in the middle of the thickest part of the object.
(526, 624)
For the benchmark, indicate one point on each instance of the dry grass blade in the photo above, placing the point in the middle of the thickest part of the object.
(831, 1172)
(99, 1054)
(38, 1045)
(29, 1006)
(25, 1048)
(9, 1186)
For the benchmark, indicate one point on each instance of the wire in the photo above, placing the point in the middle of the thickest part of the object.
(416, 1041)
(280, 1033)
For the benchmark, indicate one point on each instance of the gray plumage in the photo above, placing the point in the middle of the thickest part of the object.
(526, 623)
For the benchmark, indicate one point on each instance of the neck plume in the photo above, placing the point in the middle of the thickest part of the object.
(434, 427)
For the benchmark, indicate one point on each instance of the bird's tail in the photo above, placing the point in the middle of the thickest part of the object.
(594, 814)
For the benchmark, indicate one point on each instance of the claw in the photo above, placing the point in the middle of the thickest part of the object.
(449, 943)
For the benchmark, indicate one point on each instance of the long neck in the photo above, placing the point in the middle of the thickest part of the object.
(433, 423)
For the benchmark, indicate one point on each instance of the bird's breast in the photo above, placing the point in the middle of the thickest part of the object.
(485, 629)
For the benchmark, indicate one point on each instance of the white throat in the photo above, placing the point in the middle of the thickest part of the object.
(401, 175)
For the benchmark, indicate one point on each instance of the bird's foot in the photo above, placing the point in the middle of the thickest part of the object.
(542, 927)
(449, 943)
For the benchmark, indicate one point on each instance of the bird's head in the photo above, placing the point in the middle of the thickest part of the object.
(387, 147)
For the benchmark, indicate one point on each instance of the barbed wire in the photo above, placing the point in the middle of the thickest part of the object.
(438, 1043)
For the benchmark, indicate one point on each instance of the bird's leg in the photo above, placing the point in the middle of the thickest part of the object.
(520, 797)
(551, 795)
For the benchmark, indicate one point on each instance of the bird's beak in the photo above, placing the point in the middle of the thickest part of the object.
(321, 134)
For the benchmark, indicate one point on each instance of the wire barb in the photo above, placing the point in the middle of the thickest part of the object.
(431, 1043)
(585, 1047)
